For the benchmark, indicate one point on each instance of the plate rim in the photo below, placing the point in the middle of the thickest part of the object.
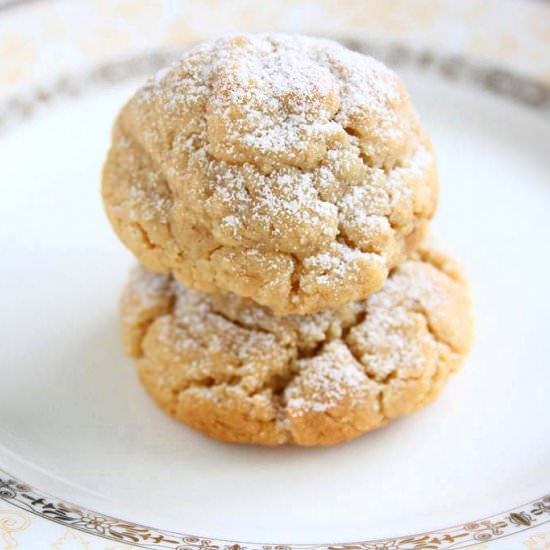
(520, 89)
(534, 513)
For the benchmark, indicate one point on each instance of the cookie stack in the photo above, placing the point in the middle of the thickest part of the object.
(276, 191)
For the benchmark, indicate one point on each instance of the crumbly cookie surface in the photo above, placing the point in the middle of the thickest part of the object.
(282, 168)
(236, 372)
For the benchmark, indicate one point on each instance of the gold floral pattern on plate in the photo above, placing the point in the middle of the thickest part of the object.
(11, 522)
(530, 515)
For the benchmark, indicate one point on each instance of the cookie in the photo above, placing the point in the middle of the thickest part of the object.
(282, 168)
(236, 372)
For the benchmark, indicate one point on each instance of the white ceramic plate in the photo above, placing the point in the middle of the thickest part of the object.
(76, 424)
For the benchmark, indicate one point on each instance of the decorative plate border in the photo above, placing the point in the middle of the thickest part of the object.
(518, 88)
(511, 522)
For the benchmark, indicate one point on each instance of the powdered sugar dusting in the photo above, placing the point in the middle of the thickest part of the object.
(146, 296)
(275, 104)
(327, 381)
(148, 286)
(148, 205)
(394, 332)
